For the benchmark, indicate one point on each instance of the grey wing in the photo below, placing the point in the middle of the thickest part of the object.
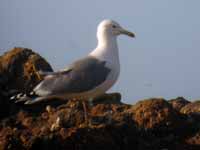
(47, 73)
(83, 75)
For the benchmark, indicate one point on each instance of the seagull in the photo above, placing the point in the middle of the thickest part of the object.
(86, 78)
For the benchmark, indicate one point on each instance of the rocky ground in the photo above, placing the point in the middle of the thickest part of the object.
(151, 124)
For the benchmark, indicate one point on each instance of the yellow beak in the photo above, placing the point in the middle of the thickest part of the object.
(126, 32)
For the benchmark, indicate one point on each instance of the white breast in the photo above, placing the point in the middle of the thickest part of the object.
(107, 50)
(110, 80)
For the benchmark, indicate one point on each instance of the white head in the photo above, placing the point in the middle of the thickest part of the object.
(107, 33)
(110, 28)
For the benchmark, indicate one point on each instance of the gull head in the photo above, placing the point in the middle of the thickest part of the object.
(112, 28)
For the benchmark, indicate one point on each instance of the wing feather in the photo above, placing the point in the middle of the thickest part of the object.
(83, 75)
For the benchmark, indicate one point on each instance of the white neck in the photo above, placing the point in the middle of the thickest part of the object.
(107, 48)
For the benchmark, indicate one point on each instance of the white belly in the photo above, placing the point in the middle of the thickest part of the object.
(109, 82)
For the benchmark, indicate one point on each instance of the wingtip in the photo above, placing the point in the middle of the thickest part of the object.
(28, 102)
(34, 101)
(12, 98)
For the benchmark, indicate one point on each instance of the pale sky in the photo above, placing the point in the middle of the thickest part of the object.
(162, 61)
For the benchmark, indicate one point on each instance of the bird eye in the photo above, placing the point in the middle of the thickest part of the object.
(114, 26)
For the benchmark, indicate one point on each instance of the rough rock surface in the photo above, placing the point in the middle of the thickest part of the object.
(18, 73)
(194, 139)
(19, 69)
(154, 113)
(192, 108)
(111, 125)
(150, 124)
(178, 103)
(64, 127)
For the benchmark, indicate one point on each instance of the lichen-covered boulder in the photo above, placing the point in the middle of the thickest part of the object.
(160, 125)
(18, 73)
(193, 140)
(154, 113)
(19, 69)
(178, 103)
(191, 108)
(64, 127)
(192, 111)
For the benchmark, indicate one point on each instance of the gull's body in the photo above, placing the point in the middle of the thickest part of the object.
(88, 77)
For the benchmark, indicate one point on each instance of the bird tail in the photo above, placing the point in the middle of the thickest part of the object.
(30, 98)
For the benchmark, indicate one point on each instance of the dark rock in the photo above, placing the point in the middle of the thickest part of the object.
(65, 126)
(19, 69)
(191, 108)
(108, 98)
(158, 123)
(178, 103)
(18, 73)
(193, 140)
(154, 113)
(192, 111)
(111, 125)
